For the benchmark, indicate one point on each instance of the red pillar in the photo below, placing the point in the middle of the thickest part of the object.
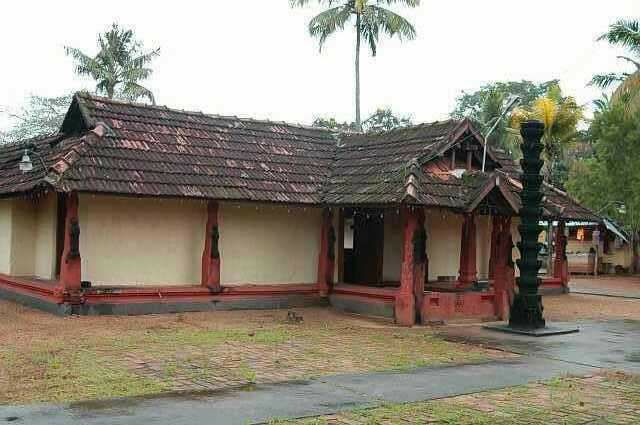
(70, 263)
(468, 271)
(496, 228)
(327, 255)
(211, 253)
(560, 263)
(409, 297)
(504, 272)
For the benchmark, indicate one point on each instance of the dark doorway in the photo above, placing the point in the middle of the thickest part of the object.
(363, 256)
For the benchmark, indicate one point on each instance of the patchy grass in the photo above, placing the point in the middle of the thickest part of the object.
(606, 398)
(51, 372)
(47, 358)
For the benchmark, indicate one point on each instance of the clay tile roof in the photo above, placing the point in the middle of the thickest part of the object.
(108, 146)
(373, 167)
(157, 151)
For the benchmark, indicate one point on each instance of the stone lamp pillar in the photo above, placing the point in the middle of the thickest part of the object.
(526, 310)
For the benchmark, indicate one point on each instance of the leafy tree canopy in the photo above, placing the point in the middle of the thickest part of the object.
(473, 104)
(120, 65)
(612, 174)
(486, 104)
(382, 120)
(560, 115)
(39, 116)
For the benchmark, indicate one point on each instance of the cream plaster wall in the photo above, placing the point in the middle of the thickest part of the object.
(5, 236)
(392, 253)
(269, 244)
(134, 241)
(444, 230)
(23, 236)
(45, 237)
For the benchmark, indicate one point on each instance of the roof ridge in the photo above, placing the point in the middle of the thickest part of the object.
(86, 95)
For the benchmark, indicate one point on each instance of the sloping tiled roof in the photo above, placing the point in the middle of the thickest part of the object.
(164, 152)
(372, 168)
(146, 150)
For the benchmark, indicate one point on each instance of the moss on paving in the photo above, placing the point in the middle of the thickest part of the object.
(158, 359)
(611, 398)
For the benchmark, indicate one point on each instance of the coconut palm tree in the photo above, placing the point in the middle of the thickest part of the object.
(560, 116)
(625, 34)
(371, 18)
(119, 66)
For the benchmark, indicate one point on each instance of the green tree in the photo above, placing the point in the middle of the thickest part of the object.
(382, 120)
(333, 124)
(39, 116)
(626, 34)
(486, 104)
(371, 18)
(612, 174)
(119, 66)
(560, 115)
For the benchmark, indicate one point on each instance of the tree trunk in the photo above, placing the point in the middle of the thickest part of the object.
(358, 122)
(635, 241)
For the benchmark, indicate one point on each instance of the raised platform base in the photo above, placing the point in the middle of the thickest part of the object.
(546, 331)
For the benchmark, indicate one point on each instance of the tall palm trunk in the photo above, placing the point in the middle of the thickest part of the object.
(358, 123)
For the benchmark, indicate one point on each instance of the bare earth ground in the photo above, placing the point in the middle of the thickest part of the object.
(606, 398)
(49, 358)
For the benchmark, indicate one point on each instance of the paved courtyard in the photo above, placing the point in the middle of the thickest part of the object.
(612, 398)
(616, 286)
(49, 358)
(256, 366)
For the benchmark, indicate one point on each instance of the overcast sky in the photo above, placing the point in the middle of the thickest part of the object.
(255, 58)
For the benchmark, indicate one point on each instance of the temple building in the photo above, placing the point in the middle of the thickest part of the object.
(135, 209)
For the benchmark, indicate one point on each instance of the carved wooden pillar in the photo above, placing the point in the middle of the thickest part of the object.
(327, 255)
(504, 271)
(409, 297)
(496, 228)
(70, 262)
(560, 264)
(211, 253)
(468, 271)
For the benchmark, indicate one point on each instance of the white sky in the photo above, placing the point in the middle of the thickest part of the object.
(255, 58)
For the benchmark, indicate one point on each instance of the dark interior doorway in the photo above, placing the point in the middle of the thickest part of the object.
(364, 245)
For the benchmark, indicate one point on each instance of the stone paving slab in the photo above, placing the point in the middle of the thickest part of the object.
(310, 398)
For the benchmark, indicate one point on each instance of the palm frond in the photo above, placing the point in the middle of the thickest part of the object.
(392, 23)
(624, 33)
(628, 93)
(134, 91)
(302, 3)
(628, 59)
(606, 80)
(328, 22)
(407, 3)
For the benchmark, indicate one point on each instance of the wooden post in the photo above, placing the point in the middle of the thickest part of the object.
(70, 261)
(504, 272)
(211, 253)
(496, 228)
(560, 264)
(468, 271)
(408, 301)
(340, 257)
(327, 255)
